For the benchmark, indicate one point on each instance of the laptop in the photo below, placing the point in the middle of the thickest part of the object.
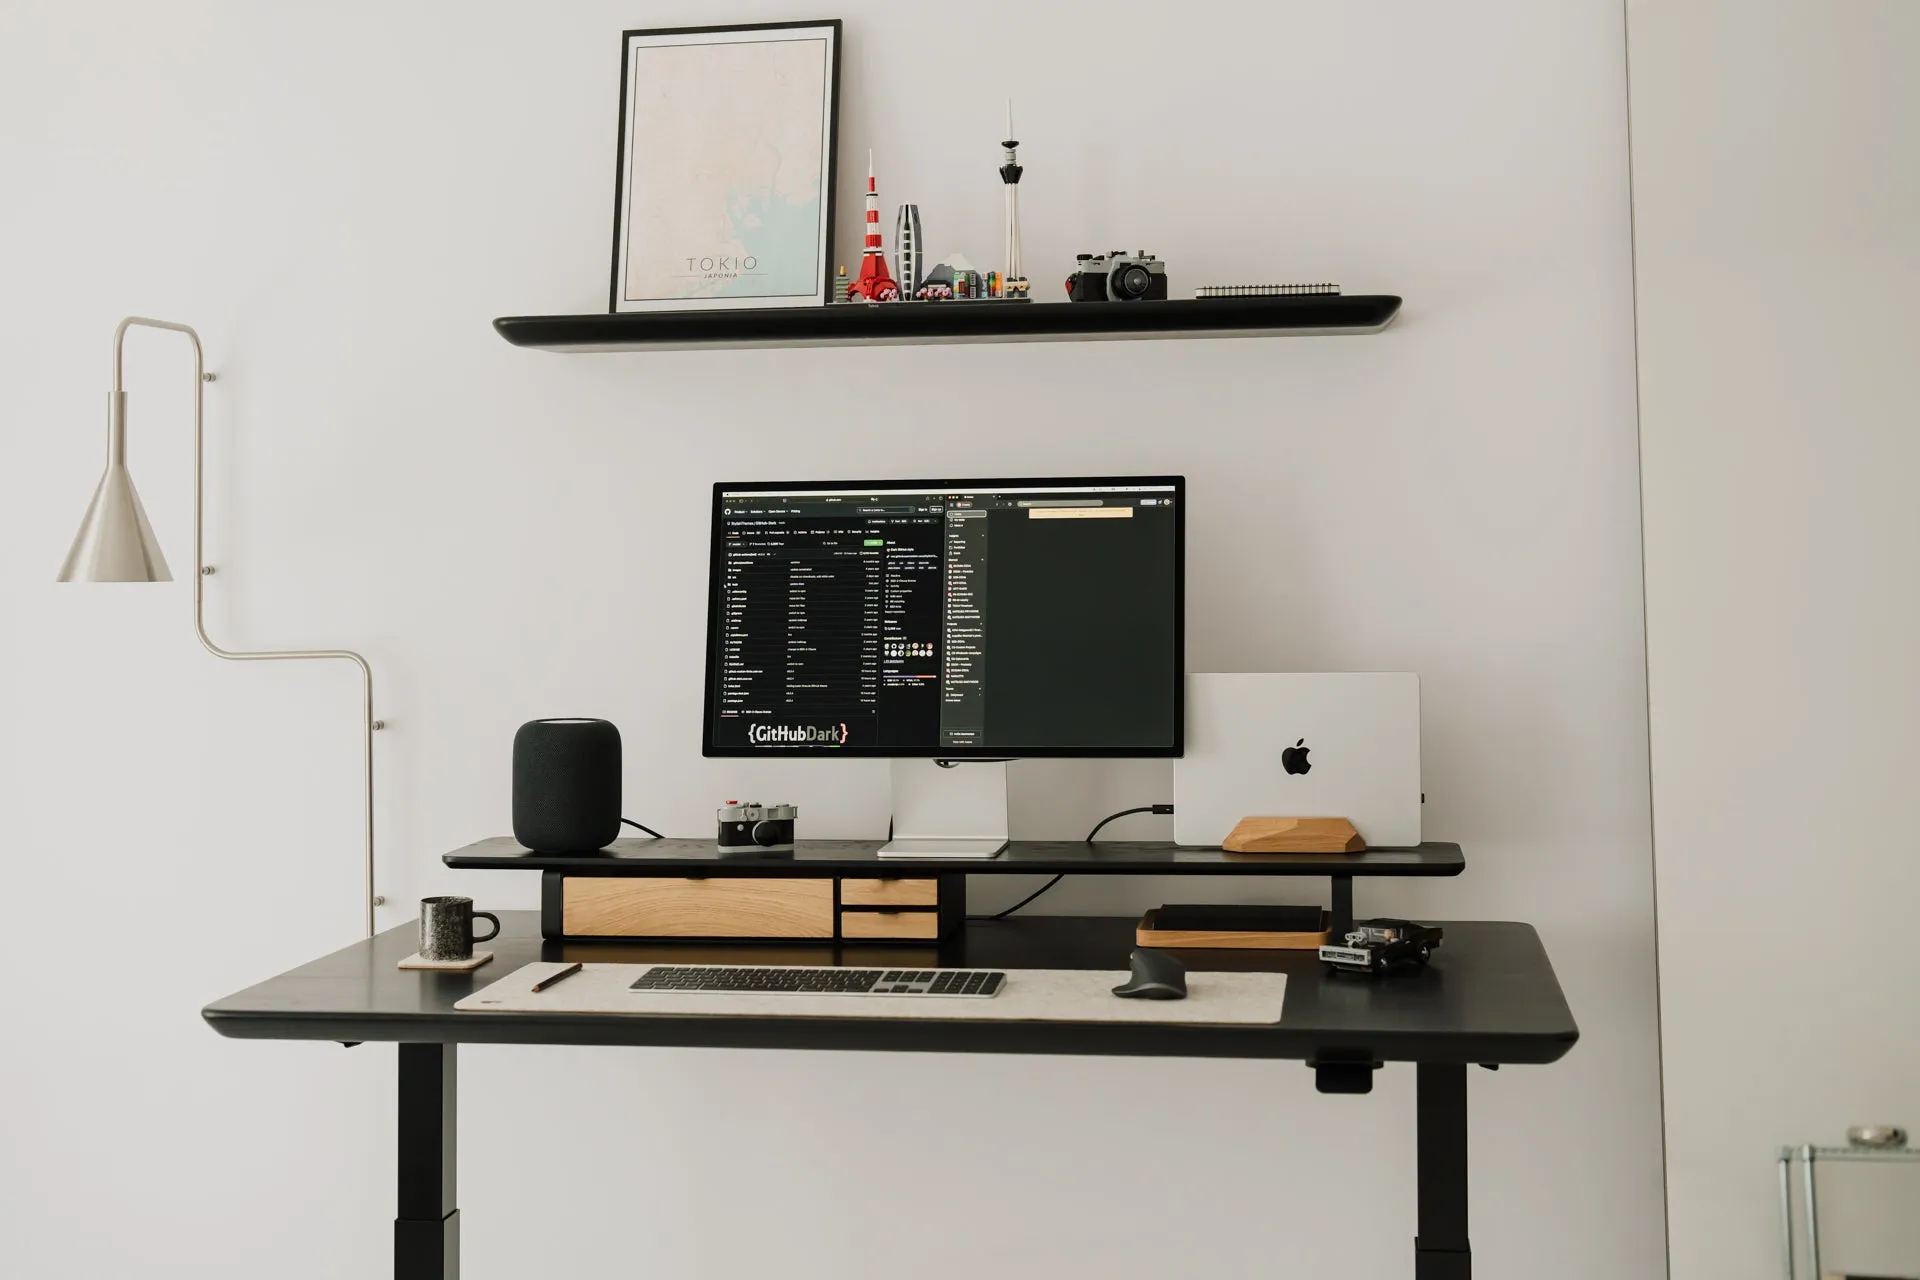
(1343, 745)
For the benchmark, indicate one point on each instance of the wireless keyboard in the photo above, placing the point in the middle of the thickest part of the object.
(818, 980)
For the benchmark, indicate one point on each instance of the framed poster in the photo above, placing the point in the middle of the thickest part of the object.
(724, 194)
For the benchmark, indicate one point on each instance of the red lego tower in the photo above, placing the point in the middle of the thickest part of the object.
(874, 283)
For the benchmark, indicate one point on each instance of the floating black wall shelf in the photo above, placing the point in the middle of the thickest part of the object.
(866, 324)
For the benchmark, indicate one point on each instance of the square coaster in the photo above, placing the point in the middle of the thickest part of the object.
(417, 961)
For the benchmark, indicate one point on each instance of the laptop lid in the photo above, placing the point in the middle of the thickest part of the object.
(1336, 745)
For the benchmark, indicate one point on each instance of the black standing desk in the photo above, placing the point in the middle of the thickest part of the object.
(1490, 997)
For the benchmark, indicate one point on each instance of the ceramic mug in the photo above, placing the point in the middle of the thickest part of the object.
(446, 928)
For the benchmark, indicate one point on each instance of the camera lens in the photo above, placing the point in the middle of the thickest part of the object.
(1131, 281)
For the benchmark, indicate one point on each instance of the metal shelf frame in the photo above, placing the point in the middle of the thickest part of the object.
(1807, 1157)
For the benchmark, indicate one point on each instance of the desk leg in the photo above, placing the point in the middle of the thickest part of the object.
(1440, 1251)
(426, 1234)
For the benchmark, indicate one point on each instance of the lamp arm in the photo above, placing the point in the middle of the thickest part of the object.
(202, 570)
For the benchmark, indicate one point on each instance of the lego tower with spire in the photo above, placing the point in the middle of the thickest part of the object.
(1010, 171)
(874, 283)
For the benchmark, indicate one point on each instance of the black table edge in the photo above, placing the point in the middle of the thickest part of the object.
(1052, 1039)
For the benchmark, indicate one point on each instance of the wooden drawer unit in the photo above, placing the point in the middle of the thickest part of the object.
(925, 909)
(889, 893)
(915, 925)
(751, 907)
(658, 907)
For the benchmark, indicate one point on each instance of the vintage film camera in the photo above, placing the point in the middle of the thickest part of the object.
(1117, 276)
(755, 827)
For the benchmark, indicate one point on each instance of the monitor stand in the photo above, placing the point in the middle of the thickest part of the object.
(960, 812)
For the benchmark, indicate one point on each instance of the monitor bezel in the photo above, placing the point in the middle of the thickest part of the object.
(811, 752)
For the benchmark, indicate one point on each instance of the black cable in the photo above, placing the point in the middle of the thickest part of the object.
(1145, 808)
(644, 827)
(1002, 915)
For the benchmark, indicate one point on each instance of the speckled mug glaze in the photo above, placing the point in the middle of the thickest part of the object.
(446, 928)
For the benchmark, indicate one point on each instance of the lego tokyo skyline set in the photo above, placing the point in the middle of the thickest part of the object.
(954, 279)
(1115, 276)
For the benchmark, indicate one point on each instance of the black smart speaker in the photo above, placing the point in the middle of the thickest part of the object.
(566, 785)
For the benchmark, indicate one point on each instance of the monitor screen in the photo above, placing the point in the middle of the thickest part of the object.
(970, 619)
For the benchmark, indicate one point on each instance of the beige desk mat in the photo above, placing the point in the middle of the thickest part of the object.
(1030, 995)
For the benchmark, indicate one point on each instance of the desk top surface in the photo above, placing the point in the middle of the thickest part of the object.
(1021, 857)
(1489, 996)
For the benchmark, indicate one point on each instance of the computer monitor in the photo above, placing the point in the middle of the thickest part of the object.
(961, 620)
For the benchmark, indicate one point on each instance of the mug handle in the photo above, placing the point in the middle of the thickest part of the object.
(486, 915)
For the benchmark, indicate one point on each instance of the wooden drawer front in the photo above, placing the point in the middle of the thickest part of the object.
(889, 924)
(644, 907)
(890, 893)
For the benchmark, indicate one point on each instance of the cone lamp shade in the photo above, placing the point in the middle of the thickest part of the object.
(115, 542)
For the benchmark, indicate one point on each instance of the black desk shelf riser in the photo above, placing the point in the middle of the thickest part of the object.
(816, 858)
(904, 323)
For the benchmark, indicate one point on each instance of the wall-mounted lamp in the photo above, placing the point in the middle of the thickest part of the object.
(116, 544)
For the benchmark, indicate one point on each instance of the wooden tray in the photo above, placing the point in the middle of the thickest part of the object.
(1149, 934)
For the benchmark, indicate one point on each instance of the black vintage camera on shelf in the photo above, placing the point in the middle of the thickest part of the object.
(1117, 276)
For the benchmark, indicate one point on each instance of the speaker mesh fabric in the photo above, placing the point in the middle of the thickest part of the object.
(566, 785)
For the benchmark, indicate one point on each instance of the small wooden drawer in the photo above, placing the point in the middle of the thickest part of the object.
(890, 893)
(889, 924)
(648, 907)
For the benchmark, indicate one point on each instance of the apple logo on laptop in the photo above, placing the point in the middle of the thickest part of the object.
(1294, 758)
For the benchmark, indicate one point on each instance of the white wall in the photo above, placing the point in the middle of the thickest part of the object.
(1775, 205)
(342, 197)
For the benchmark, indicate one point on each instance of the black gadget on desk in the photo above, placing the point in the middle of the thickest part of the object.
(954, 619)
(1155, 976)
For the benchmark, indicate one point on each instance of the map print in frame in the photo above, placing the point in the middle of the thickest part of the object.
(725, 178)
